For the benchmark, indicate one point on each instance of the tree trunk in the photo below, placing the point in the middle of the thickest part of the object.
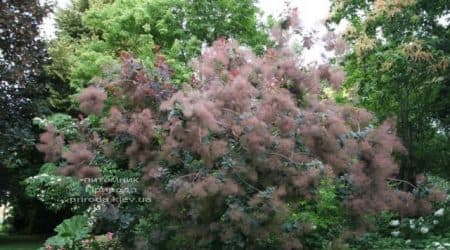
(407, 170)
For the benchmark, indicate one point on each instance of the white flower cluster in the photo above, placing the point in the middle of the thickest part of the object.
(440, 246)
(53, 179)
(424, 230)
(412, 225)
(40, 122)
(395, 233)
(91, 213)
(439, 212)
(41, 195)
(394, 223)
(418, 224)
(42, 184)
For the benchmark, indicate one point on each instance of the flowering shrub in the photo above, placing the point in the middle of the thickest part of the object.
(53, 190)
(227, 158)
(63, 123)
(420, 232)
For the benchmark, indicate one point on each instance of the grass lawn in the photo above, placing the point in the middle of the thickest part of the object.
(21, 242)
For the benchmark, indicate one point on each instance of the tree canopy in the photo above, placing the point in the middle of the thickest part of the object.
(400, 66)
(93, 32)
(23, 96)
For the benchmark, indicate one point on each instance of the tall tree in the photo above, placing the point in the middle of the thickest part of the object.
(21, 64)
(22, 97)
(91, 33)
(399, 64)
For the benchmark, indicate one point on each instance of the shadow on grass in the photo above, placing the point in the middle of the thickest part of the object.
(21, 242)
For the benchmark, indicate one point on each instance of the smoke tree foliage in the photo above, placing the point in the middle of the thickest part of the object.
(226, 157)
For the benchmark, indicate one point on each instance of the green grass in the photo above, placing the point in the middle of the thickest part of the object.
(21, 242)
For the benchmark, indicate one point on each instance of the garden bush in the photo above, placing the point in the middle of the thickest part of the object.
(251, 154)
(420, 232)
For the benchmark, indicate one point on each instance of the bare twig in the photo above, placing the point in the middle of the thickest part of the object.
(403, 181)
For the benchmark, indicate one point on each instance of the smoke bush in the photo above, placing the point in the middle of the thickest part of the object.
(261, 135)
(51, 144)
(91, 100)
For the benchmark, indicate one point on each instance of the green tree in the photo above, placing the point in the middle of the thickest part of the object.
(22, 56)
(23, 94)
(92, 33)
(400, 65)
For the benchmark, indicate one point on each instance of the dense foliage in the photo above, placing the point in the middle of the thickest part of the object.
(22, 56)
(92, 33)
(23, 94)
(189, 124)
(231, 159)
(399, 65)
